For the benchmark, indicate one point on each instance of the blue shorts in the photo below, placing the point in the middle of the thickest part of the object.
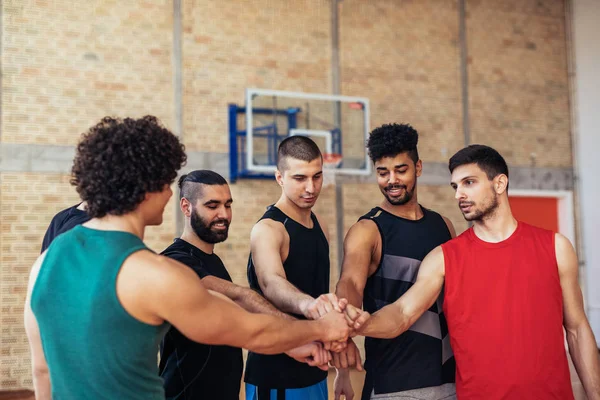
(314, 392)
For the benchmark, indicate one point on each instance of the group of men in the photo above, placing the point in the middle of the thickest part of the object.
(100, 303)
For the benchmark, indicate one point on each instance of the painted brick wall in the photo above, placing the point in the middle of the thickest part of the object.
(270, 45)
(66, 64)
(404, 57)
(518, 83)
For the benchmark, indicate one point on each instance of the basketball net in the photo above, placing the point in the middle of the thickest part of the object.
(331, 161)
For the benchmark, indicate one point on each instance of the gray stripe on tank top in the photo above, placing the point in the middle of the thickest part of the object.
(428, 324)
(446, 349)
(399, 268)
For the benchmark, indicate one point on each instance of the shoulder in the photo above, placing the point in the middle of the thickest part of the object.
(458, 242)
(449, 225)
(566, 257)
(364, 228)
(157, 270)
(267, 227)
(434, 262)
(184, 256)
(323, 224)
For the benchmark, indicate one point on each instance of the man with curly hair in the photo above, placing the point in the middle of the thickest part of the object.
(99, 301)
(382, 254)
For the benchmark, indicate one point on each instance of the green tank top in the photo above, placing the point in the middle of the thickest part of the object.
(93, 347)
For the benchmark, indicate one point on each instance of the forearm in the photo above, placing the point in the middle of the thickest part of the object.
(387, 323)
(285, 296)
(41, 385)
(584, 353)
(253, 302)
(272, 335)
(244, 297)
(346, 289)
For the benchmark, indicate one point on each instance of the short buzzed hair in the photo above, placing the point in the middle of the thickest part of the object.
(298, 147)
(188, 183)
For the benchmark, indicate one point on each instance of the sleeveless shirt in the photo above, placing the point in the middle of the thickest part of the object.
(307, 268)
(420, 357)
(94, 348)
(505, 313)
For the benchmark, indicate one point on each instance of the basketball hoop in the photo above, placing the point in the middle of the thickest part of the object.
(331, 161)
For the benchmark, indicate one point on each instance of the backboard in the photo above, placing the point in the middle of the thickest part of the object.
(338, 124)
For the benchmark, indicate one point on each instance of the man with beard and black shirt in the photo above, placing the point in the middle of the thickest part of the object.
(64, 221)
(192, 370)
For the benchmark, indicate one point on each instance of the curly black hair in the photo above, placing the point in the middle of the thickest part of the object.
(390, 140)
(118, 161)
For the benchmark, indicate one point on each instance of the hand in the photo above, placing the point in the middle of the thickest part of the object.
(355, 317)
(312, 354)
(322, 305)
(342, 385)
(334, 327)
(348, 358)
(336, 347)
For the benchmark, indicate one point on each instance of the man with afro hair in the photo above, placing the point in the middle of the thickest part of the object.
(382, 254)
(99, 301)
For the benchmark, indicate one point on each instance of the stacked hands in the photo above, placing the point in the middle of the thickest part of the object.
(339, 321)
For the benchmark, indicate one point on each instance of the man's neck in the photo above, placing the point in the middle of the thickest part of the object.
(190, 236)
(411, 210)
(130, 222)
(300, 215)
(497, 227)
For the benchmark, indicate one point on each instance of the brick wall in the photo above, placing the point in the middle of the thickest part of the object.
(404, 57)
(66, 64)
(231, 45)
(518, 81)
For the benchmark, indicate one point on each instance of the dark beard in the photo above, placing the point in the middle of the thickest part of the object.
(408, 194)
(485, 213)
(204, 231)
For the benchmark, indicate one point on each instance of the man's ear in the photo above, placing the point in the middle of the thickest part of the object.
(500, 183)
(186, 207)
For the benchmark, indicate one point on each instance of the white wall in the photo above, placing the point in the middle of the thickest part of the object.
(586, 44)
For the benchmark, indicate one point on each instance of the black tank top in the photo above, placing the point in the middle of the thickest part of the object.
(421, 356)
(307, 268)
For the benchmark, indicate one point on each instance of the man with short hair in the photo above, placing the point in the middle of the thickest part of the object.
(509, 290)
(118, 298)
(193, 370)
(382, 254)
(289, 265)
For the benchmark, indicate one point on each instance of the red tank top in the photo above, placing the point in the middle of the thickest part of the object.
(503, 304)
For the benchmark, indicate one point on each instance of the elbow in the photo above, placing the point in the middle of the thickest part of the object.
(268, 288)
(397, 324)
(40, 372)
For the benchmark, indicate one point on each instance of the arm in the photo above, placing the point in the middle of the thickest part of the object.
(395, 318)
(180, 298)
(41, 373)
(244, 297)
(362, 253)
(450, 227)
(582, 345)
(267, 241)
(361, 256)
